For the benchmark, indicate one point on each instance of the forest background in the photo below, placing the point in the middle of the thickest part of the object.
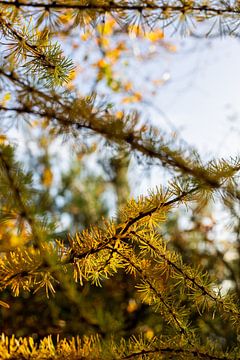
(93, 133)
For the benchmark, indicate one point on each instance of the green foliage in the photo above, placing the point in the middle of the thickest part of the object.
(136, 286)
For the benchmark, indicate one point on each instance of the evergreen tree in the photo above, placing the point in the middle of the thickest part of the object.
(74, 282)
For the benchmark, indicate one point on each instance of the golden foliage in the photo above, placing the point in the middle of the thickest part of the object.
(32, 257)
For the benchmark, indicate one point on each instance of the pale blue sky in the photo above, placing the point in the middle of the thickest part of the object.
(202, 97)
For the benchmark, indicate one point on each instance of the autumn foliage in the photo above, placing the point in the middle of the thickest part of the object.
(76, 281)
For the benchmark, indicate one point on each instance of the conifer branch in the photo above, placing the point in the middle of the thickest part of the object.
(123, 229)
(132, 246)
(149, 12)
(182, 7)
(82, 246)
(171, 351)
(171, 313)
(96, 348)
(83, 114)
(34, 271)
(159, 206)
(8, 170)
(170, 158)
(43, 56)
(192, 280)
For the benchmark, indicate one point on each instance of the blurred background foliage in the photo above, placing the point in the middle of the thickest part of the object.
(81, 183)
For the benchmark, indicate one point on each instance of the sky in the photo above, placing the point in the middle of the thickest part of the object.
(202, 96)
(200, 100)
